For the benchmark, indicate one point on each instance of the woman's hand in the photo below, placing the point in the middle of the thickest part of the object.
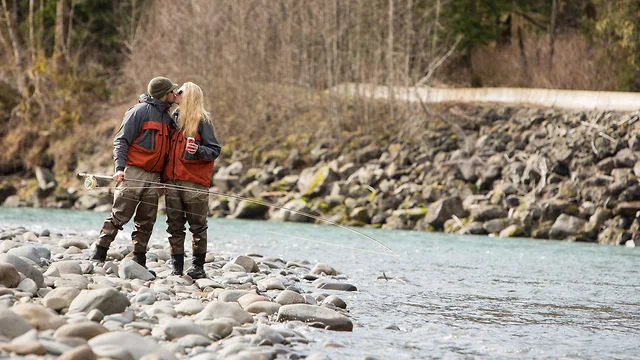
(192, 148)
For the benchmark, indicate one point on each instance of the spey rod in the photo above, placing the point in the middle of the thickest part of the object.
(91, 182)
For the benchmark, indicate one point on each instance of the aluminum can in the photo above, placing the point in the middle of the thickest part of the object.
(190, 140)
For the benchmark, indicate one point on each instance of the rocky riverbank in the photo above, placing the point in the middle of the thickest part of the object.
(54, 302)
(493, 170)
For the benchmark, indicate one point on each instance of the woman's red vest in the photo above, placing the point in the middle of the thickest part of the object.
(184, 166)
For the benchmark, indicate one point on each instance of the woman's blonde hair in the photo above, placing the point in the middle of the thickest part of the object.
(191, 109)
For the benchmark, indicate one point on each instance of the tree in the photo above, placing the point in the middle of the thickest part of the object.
(614, 26)
(484, 22)
(53, 57)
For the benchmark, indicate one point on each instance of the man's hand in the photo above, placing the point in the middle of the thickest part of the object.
(118, 176)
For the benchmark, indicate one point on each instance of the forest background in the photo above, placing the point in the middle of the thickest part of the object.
(69, 69)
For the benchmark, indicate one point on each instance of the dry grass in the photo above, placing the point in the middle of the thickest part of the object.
(575, 66)
(265, 65)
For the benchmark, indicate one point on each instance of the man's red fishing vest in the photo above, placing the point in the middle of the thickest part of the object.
(150, 148)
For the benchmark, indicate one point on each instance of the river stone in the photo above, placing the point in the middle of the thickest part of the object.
(54, 347)
(39, 317)
(7, 245)
(29, 236)
(68, 267)
(193, 340)
(130, 269)
(267, 333)
(25, 344)
(145, 298)
(11, 324)
(247, 263)
(9, 275)
(320, 268)
(267, 307)
(246, 299)
(24, 267)
(288, 297)
(189, 307)
(335, 301)
(72, 280)
(218, 309)
(108, 301)
(84, 329)
(207, 282)
(52, 271)
(332, 320)
(82, 352)
(28, 286)
(68, 242)
(33, 253)
(125, 345)
(231, 295)
(177, 328)
(217, 329)
(336, 286)
(161, 309)
(270, 283)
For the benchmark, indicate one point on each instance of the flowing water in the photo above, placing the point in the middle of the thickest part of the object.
(442, 296)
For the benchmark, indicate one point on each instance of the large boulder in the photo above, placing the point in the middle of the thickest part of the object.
(443, 210)
(566, 226)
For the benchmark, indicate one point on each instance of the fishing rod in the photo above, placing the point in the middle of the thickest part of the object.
(90, 182)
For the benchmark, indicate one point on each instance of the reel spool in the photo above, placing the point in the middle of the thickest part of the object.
(90, 182)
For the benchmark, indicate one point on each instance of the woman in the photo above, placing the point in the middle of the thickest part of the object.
(189, 165)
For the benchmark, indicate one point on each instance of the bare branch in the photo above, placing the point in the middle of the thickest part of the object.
(435, 65)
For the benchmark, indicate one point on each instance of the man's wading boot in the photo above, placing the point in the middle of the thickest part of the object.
(197, 269)
(178, 264)
(141, 258)
(99, 253)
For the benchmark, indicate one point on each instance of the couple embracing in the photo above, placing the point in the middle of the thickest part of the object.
(152, 146)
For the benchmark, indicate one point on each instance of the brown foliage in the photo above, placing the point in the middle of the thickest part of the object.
(265, 65)
(576, 65)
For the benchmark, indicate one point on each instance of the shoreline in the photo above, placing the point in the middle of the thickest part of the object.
(55, 302)
(471, 169)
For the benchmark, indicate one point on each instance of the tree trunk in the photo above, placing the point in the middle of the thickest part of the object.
(552, 32)
(523, 58)
(59, 39)
(32, 42)
(15, 48)
(434, 36)
(390, 62)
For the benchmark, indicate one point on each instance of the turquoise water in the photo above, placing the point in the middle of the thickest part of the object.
(446, 297)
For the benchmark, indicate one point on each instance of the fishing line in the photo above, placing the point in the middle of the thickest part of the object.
(91, 182)
(334, 244)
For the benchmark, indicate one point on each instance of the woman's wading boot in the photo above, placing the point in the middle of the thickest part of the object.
(197, 269)
(178, 264)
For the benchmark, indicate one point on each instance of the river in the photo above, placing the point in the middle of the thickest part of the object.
(444, 296)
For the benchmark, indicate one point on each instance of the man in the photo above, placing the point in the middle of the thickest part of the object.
(139, 149)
